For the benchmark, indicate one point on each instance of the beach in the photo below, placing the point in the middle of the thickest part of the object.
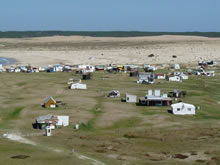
(105, 50)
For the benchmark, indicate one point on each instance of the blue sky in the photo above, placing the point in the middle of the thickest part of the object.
(110, 15)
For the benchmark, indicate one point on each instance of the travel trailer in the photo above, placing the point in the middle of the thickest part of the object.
(183, 109)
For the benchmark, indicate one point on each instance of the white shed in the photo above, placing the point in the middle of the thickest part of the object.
(78, 86)
(131, 98)
(63, 121)
(183, 109)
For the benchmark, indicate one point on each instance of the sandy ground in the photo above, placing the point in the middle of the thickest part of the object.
(104, 50)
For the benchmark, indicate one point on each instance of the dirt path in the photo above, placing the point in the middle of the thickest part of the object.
(82, 157)
(20, 139)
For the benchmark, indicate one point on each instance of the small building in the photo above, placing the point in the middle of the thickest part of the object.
(86, 68)
(50, 102)
(58, 68)
(175, 78)
(51, 121)
(155, 99)
(48, 120)
(100, 67)
(10, 70)
(176, 66)
(134, 74)
(109, 69)
(86, 76)
(35, 70)
(2, 69)
(62, 121)
(114, 94)
(17, 70)
(177, 93)
(23, 68)
(43, 69)
(68, 68)
(182, 75)
(120, 68)
(131, 98)
(207, 63)
(211, 63)
(74, 80)
(78, 86)
(130, 68)
(146, 78)
(210, 73)
(177, 73)
(149, 68)
(161, 76)
(183, 109)
(51, 70)
(48, 131)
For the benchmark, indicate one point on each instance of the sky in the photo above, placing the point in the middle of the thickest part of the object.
(110, 15)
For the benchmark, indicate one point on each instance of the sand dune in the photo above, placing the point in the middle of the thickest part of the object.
(105, 50)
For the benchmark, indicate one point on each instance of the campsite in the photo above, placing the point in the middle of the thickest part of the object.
(111, 131)
(110, 82)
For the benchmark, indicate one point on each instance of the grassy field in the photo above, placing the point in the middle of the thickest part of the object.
(113, 132)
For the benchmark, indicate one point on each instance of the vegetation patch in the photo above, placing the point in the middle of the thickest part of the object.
(15, 114)
(180, 156)
(21, 83)
(89, 126)
(20, 157)
(131, 122)
(130, 135)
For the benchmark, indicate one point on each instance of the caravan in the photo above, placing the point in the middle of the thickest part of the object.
(78, 86)
(183, 109)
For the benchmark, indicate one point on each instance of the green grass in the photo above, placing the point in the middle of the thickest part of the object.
(96, 111)
(21, 83)
(15, 114)
(89, 126)
(131, 131)
(131, 122)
